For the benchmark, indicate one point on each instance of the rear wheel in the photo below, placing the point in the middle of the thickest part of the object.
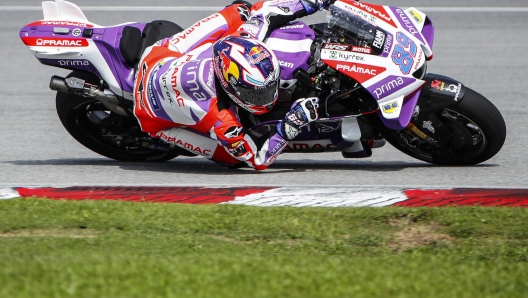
(477, 129)
(106, 133)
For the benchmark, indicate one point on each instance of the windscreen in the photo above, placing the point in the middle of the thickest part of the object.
(347, 27)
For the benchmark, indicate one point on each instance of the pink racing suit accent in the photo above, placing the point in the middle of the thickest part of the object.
(176, 95)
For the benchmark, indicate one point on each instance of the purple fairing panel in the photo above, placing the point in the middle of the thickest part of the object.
(428, 32)
(405, 114)
(406, 23)
(292, 59)
(389, 85)
(38, 30)
(107, 41)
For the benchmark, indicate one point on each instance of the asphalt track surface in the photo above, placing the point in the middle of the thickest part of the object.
(477, 43)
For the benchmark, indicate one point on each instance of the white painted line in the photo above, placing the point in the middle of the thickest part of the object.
(323, 197)
(122, 8)
(473, 9)
(8, 193)
(218, 8)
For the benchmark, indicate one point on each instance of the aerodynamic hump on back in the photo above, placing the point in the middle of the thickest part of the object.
(63, 10)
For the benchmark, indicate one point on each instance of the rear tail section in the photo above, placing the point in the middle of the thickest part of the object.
(66, 39)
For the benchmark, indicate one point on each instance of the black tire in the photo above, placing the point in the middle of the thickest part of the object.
(81, 117)
(473, 110)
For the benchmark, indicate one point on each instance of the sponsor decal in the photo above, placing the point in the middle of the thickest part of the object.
(336, 46)
(416, 112)
(219, 68)
(298, 26)
(210, 77)
(357, 69)
(361, 50)
(141, 87)
(61, 23)
(74, 63)
(286, 64)
(416, 16)
(360, 13)
(439, 85)
(387, 87)
(376, 10)
(185, 145)
(348, 63)
(350, 57)
(429, 126)
(333, 55)
(379, 39)
(181, 36)
(166, 88)
(284, 9)
(278, 147)
(76, 32)
(192, 83)
(420, 57)
(239, 150)
(152, 91)
(55, 42)
(174, 82)
(257, 54)
(294, 146)
(251, 29)
(233, 132)
(296, 118)
(244, 13)
(282, 2)
(408, 24)
(388, 44)
(390, 107)
(254, 21)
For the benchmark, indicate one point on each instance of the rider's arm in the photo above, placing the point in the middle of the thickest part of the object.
(209, 29)
(260, 152)
(267, 16)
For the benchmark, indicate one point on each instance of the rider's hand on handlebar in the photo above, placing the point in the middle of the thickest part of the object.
(303, 112)
(312, 6)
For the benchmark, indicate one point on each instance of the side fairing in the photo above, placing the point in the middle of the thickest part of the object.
(291, 44)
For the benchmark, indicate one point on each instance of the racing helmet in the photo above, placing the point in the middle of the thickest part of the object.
(248, 71)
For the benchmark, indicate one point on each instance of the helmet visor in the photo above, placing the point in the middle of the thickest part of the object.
(258, 97)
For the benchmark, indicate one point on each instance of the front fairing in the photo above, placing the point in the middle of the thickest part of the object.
(387, 53)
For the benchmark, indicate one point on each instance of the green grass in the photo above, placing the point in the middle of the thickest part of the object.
(118, 249)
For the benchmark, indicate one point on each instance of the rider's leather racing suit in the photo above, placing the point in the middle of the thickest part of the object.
(176, 98)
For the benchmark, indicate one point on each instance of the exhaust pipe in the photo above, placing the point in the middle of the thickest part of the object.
(58, 84)
(78, 86)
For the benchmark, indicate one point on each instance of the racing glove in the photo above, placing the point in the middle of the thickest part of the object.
(303, 112)
(312, 6)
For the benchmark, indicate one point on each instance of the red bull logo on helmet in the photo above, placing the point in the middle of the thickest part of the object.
(257, 54)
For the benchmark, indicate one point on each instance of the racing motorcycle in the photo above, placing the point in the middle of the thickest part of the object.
(367, 64)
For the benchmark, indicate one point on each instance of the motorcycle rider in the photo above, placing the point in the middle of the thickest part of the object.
(193, 84)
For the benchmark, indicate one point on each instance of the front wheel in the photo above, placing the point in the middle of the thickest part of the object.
(477, 132)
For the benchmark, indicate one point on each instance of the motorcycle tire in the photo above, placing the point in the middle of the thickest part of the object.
(475, 118)
(81, 117)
